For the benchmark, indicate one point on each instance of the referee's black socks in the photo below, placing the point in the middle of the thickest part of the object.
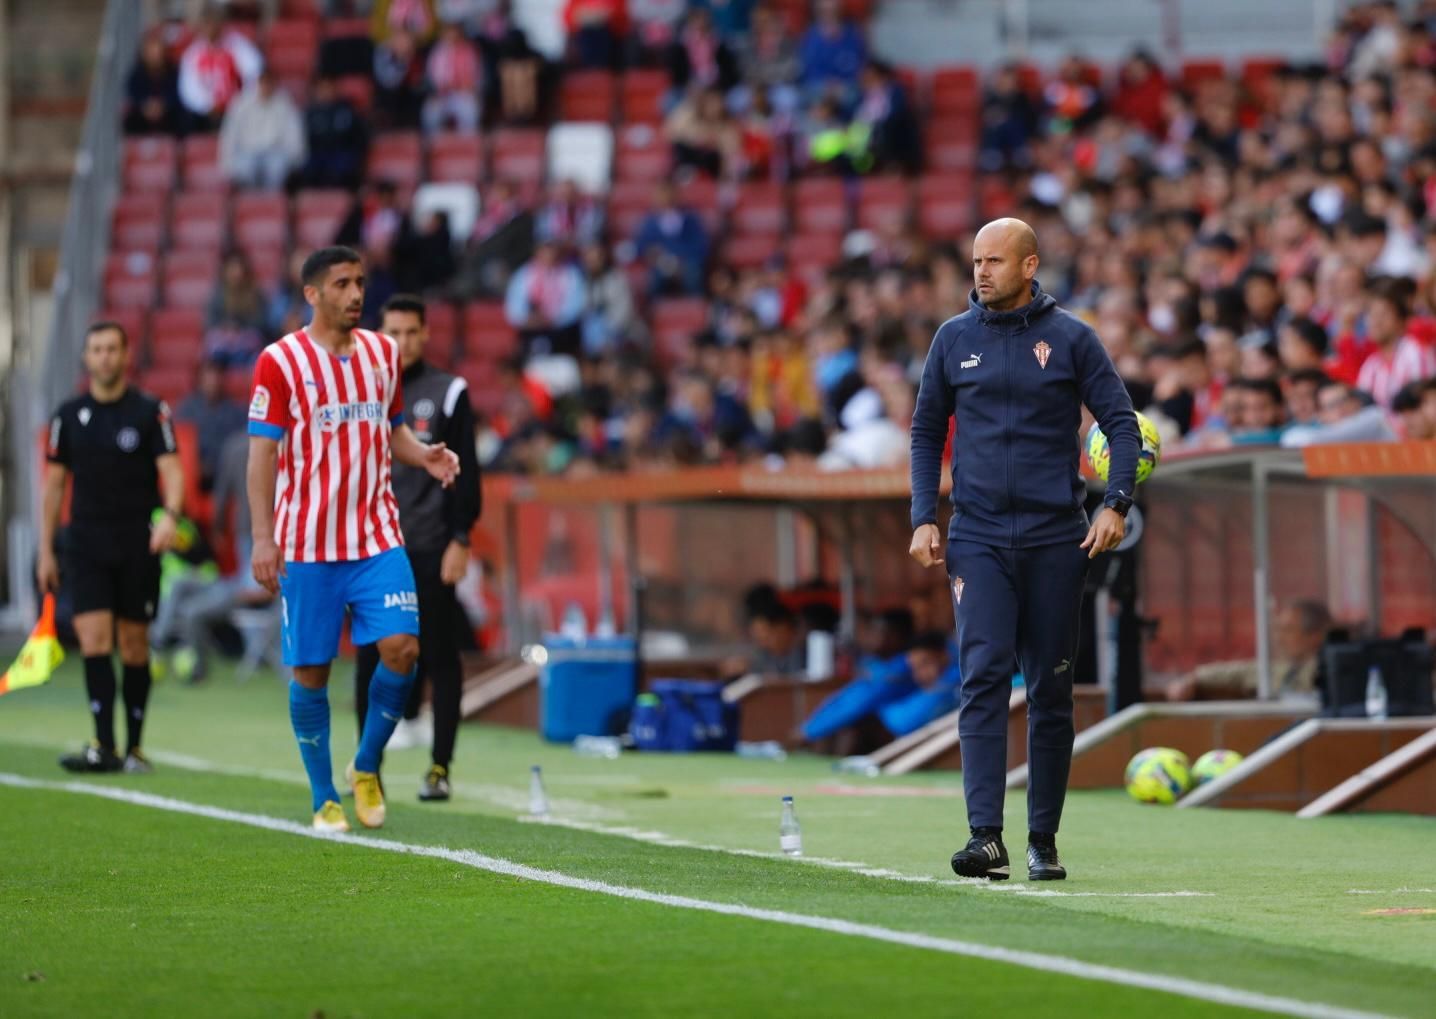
(100, 685)
(137, 695)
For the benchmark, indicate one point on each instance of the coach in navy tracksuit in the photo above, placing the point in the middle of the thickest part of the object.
(1015, 370)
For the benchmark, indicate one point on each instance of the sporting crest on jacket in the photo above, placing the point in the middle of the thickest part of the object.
(957, 586)
(1043, 350)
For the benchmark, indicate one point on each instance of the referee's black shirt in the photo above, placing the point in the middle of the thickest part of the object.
(111, 449)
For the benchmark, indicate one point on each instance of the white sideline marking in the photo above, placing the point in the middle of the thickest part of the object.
(1057, 964)
(513, 799)
(1394, 891)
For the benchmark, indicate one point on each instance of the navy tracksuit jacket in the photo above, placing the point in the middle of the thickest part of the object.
(1016, 381)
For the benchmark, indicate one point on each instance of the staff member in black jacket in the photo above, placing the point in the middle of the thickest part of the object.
(119, 446)
(1016, 370)
(436, 522)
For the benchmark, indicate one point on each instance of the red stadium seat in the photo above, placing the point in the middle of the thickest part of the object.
(884, 203)
(915, 84)
(944, 204)
(172, 327)
(587, 96)
(951, 144)
(138, 223)
(130, 280)
(518, 154)
(150, 164)
(643, 154)
(346, 28)
(198, 220)
(642, 97)
(189, 280)
(814, 253)
(136, 324)
(761, 209)
(1197, 72)
(292, 46)
(318, 215)
(177, 352)
(261, 220)
(168, 382)
(487, 333)
(358, 89)
(751, 251)
(456, 158)
(1259, 77)
(676, 322)
(1029, 76)
(268, 264)
(820, 205)
(199, 164)
(481, 374)
(956, 90)
(628, 203)
(397, 156)
(443, 322)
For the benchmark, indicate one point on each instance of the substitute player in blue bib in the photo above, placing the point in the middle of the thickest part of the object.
(325, 416)
(1015, 370)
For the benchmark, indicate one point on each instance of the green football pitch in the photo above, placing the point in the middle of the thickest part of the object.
(655, 888)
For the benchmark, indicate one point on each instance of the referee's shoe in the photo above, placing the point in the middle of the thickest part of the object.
(983, 856)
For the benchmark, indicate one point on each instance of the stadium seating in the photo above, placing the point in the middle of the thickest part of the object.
(820, 205)
(189, 280)
(397, 156)
(318, 215)
(150, 164)
(518, 155)
(487, 333)
(199, 164)
(138, 223)
(260, 220)
(642, 95)
(582, 153)
(587, 96)
(197, 220)
(456, 157)
(642, 154)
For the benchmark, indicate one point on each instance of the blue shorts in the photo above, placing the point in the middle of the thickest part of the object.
(378, 592)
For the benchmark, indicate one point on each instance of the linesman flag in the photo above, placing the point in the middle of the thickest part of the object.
(40, 656)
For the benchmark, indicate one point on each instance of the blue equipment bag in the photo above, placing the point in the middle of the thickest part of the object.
(586, 686)
(683, 716)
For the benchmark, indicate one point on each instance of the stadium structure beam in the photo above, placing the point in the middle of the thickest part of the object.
(1261, 571)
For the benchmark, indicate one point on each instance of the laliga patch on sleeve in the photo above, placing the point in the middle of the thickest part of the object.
(259, 404)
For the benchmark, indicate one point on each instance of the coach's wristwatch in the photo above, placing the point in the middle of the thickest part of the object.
(1119, 502)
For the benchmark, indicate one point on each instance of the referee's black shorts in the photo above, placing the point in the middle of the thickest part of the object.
(110, 569)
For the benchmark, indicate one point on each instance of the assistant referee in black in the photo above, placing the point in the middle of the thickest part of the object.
(119, 445)
(436, 522)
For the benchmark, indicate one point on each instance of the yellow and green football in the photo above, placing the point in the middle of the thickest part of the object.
(1099, 455)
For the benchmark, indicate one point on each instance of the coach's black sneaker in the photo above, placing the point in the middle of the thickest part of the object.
(435, 787)
(983, 856)
(94, 758)
(136, 763)
(1042, 862)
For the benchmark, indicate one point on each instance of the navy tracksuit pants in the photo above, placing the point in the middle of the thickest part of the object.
(1016, 608)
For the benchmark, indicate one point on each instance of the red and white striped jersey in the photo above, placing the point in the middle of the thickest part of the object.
(333, 418)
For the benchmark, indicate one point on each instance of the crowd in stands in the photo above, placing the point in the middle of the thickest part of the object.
(760, 275)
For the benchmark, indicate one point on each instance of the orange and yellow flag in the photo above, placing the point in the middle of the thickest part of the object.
(40, 656)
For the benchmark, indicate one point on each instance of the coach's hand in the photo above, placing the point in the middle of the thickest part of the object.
(47, 572)
(162, 534)
(926, 545)
(1105, 534)
(442, 463)
(454, 564)
(267, 564)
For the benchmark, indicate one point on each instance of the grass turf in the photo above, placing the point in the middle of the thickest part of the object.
(234, 916)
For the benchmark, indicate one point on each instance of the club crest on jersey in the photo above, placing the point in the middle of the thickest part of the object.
(957, 586)
(129, 439)
(424, 409)
(84, 415)
(1043, 350)
(259, 404)
(408, 601)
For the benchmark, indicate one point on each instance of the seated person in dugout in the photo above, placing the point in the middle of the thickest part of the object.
(882, 675)
(1299, 630)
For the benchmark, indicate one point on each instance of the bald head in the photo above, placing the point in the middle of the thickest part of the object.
(1004, 263)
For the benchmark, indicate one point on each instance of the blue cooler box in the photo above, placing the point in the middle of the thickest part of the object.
(587, 687)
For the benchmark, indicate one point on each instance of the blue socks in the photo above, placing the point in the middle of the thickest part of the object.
(309, 714)
(388, 693)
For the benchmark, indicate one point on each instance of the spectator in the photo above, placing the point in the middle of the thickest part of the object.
(832, 52)
(654, 27)
(338, 139)
(834, 144)
(1073, 101)
(698, 58)
(399, 81)
(152, 94)
(1343, 414)
(1262, 412)
(569, 217)
(595, 30)
(454, 74)
(609, 319)
(424, 255)
(262, 139)
(1009, 118)
(714, 423)
(288, 310)
(235, 319)
(503, 240)
(414, 17)
(1302, 388)
(884, 109)
(768, 60)
(1300, 630)
(215, 67)
(511, 66)
(1397, 358)
(704, 135)
(674, 244)
(545, 302)
(1302, 344)
(1141, 93)
(732, 18)
(214, 415)
(1415, 407)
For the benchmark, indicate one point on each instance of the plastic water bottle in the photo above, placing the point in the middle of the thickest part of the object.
(768, 750)
(575, 623)
(607, 747)
(1375, 694)
(790, 836)
(538, 799)
(864, 766)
